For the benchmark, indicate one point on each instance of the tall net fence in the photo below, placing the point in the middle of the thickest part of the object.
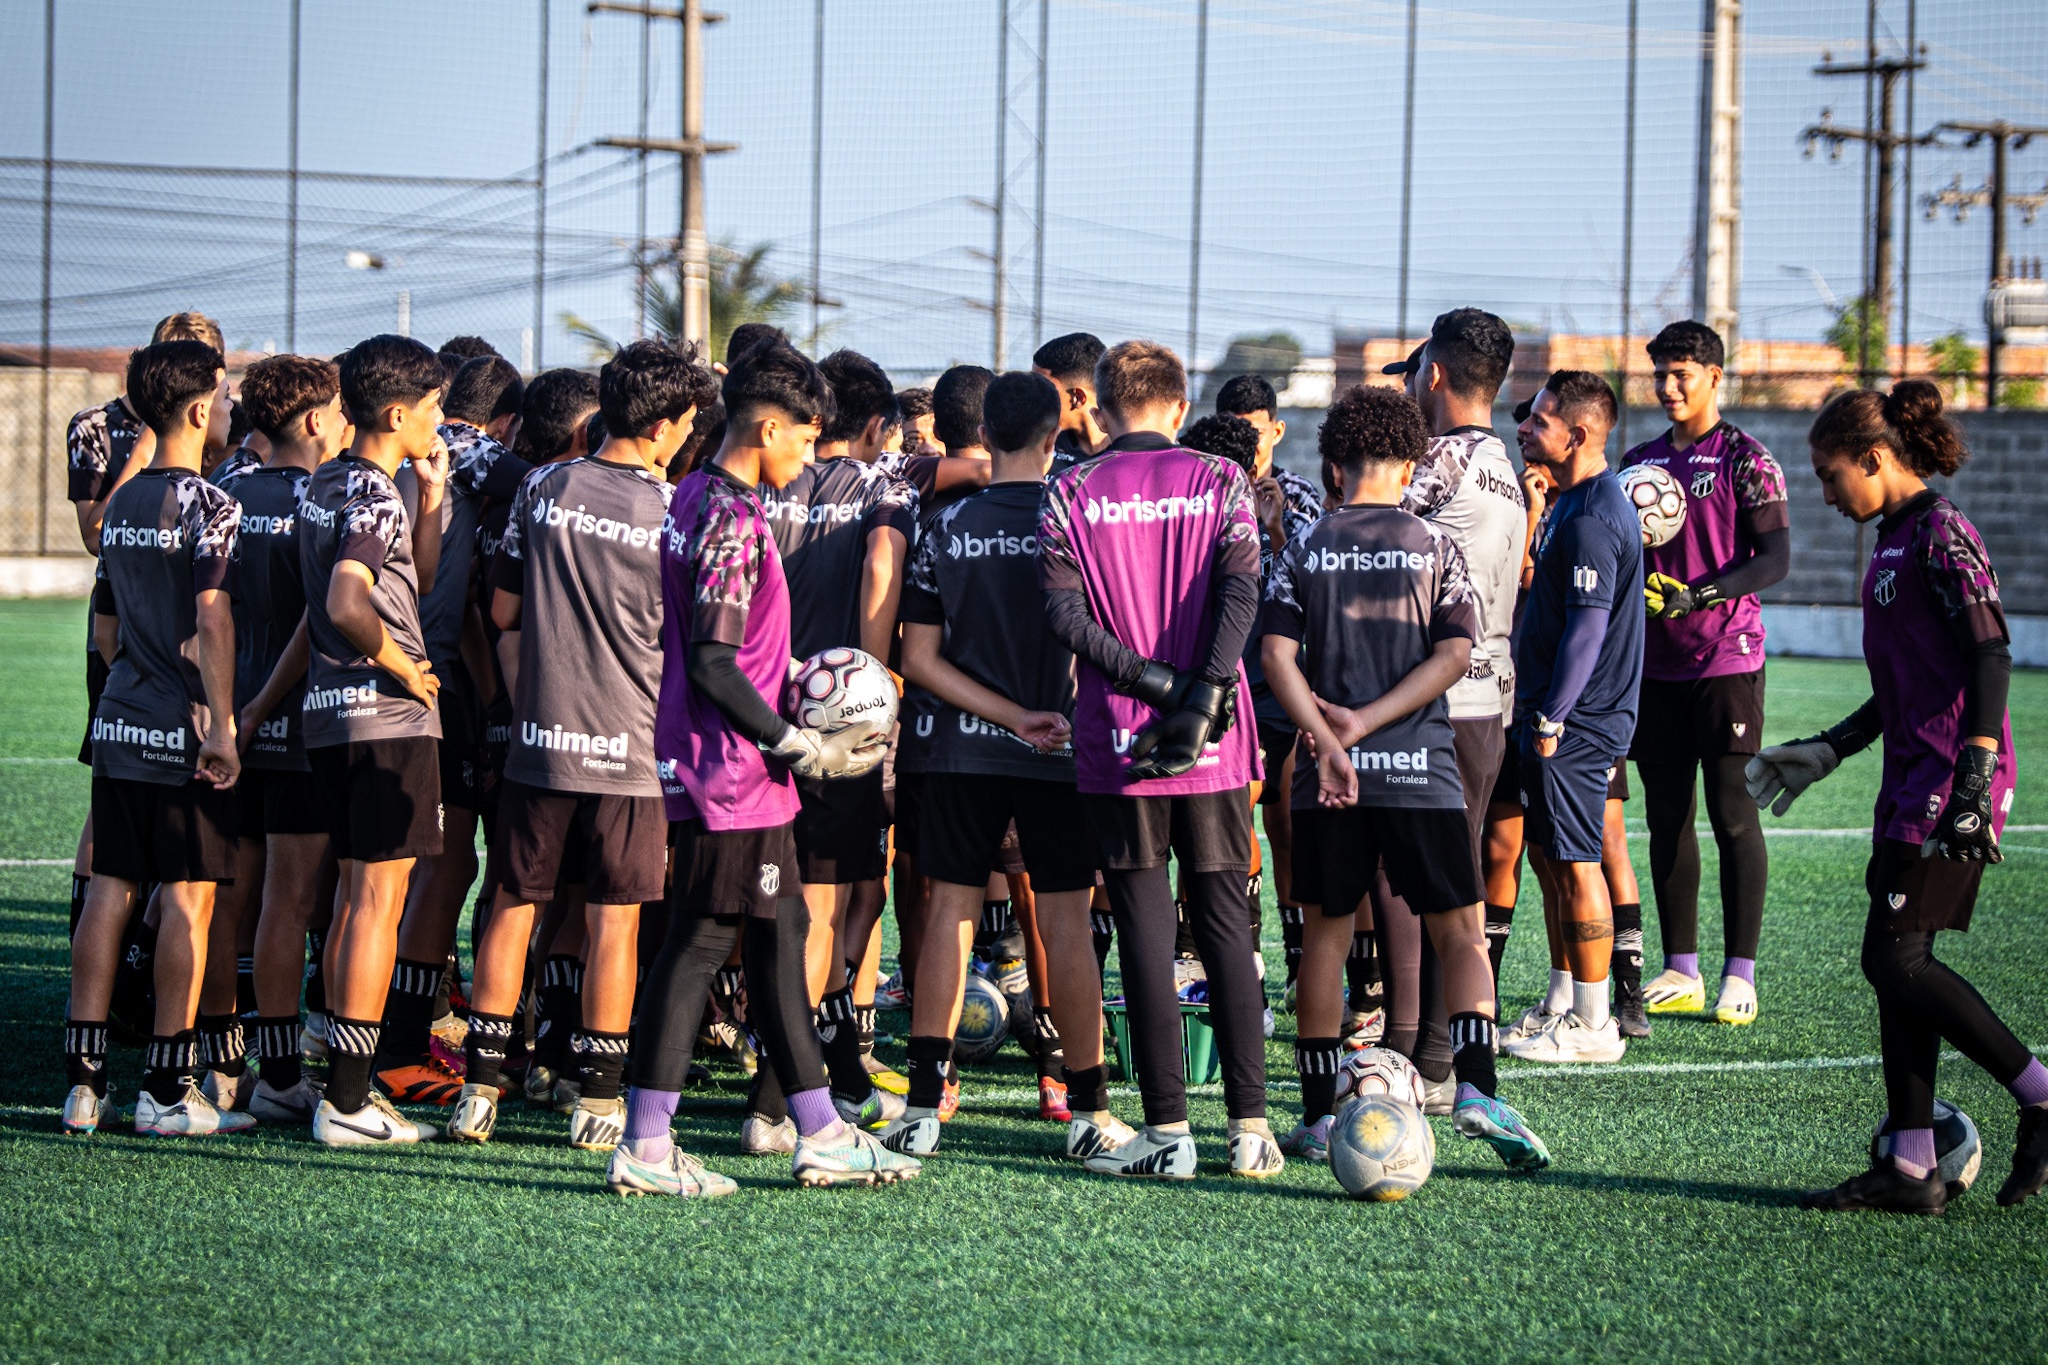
(943, 183)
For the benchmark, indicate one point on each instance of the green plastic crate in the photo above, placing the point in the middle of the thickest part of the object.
(1198, 1043)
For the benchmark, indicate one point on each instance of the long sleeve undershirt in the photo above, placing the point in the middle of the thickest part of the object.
(1237, 609)
(714, 673)
(1765, 568)
(1578, 650)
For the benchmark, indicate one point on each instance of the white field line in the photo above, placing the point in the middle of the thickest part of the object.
(1858, 832)
(72, 759)
(36, 862)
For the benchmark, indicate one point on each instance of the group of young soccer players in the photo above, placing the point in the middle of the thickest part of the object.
(425, 598)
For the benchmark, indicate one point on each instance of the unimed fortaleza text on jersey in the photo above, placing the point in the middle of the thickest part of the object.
(582, 549)
(168, 536)
(269, 600)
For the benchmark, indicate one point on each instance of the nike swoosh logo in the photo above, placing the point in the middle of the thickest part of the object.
(381, 1132)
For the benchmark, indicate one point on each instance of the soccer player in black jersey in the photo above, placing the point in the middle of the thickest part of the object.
(163, 736)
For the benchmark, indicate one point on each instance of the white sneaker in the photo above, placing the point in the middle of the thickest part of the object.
(476, 1114)
(313, 1037)
(1440, 1098)
(1149, 1155)
(1569, 1038)
(192, 1116)
(294, 1105)
(597, 1125)
(912, 1132)
(85, 1109)
(1269, 1021)
(223, 1091)
(891, 995)
(1366, 1030)
(1087, 1138)
(759, 1137)
(1255, 1156)
(376, 1124)
(849, 1157)
(1737, 1004)
(677, 1174)
(1534, 1020)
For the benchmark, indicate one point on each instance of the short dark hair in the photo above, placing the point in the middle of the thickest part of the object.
(555, 405)
(166, 375)
(860, 393)
(456, 352)
(1020, 409)
(1228, 435)
(748, 335)
(647, 382)
(914, 403)
(956, 405)
(238, 424)
(1071, 358)
(279, 389)
(386, 369)
(1583, 394)
(1246, 394)
(705, 432)
(483, 390)
(1475, 348)
(1138, 374)
(774, 374)
(1370, 424)
(1688, 340)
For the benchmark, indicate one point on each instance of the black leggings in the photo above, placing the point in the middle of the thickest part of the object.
(778, 1000)
(1669, 803)
(1418, 1027)
(1221, 924)
(1921, 1001)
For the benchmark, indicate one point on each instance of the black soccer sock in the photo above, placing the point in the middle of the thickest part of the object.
(245, 985)
(994, 924)
(1472, 1052)
(1088, 1089)
(85, 1053)
(600, 1062)
(1290, 939)
(277, 1050)
(79, 886)
(864, 1028)
(351, 1050)
(558, 1005)
(927, 1070)
(409, 1010)
(485, 1049)
(1362, 973)
(316, 972)
(840, 1039)
(1668, 809)
(1745, 857)
(443, 989)
(1183, 936)
(764, 1097)
(1255, 896)
(1050, 1056)
(1500, 923)
(1102, 929)
(222, 1046)
(168, 1064)
(135, 975)
(1317, 1060)
(1628, 950)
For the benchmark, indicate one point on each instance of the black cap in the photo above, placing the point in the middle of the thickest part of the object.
(1408, 366)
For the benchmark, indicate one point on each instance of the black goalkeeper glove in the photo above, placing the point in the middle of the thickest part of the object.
(1160, 686)
(1667, 599)
(1172, 744)
(1964, 833)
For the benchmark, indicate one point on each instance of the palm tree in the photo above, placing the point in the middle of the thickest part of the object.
(742, 290)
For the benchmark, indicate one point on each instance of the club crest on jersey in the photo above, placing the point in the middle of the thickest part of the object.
(1741, 728)
(1896, 899)
(1886, 587)
(1933, 805)
(1703, 483)
(771, 879)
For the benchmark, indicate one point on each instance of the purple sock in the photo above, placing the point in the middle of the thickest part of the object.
(1744, 967)
(812, 1110)
(1913, 1151)
(2031, 1085)
(648, 1115)
(1686, 963)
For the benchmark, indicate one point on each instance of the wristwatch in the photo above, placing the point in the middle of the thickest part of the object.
(1546, 728)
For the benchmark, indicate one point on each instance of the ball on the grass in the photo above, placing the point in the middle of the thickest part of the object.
(1958, 1153)
(1658, 500)
(984, 1021)
(1381, 1148)
(1379, 1071)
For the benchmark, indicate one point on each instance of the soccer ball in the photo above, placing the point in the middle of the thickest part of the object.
(1381, 1148)
(840, 690)
(1379, 1071)
(984, 1021)
(1957, 1152)
(1658, 500)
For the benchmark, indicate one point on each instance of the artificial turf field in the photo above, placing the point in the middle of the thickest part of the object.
(1666, 1228)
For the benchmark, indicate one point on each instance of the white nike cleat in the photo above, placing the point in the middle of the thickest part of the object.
(192, 1116)
(1534, 1020)
(85, 1109)
(597, 1125)
(762, 1137)
(1569, 1038)
(678, 1174)
(915, 1132)
(313, 1037)
(223, 1091)
(1737, 1004)
(1087, 1138)
(376, 1124)
(1364, 1030)
(1149, 1155)
(1255, 1156)
(849, 1157)
(476, 1114)
(295, 1104)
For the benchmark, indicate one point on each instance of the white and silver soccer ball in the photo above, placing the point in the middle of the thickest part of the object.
(837, 690)
(1381, 1148)
(1379, 1071)
(984, 1021)
(1958, 1153)
(1658, 500)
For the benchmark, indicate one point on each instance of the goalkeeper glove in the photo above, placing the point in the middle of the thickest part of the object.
(1964, 834)
(1783, 772)
(1668, 599)
(1172, 744)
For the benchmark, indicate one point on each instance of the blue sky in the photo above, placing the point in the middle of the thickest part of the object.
(1518, 164)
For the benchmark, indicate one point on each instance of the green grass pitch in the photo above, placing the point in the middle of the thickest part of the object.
(1666, 1229)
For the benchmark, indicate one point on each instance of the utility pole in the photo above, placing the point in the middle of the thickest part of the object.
(1876, 301)
(1038, 207)
(291, 230)
(817, 164)
(2003, 137)
(693, 247)
(1195, 211)
(1628, 214)
(540, 196)
(999, 310)
(1407, 178)
(1717, 191)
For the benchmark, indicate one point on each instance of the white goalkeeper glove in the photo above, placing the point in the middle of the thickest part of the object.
(845, 754)
(1782, 773)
